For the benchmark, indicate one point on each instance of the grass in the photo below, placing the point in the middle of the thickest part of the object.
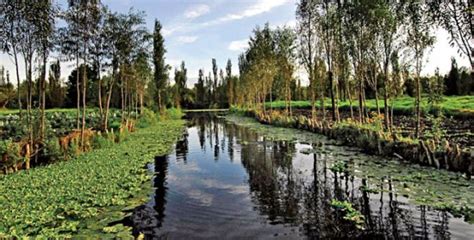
(82, 196)
(453, 105)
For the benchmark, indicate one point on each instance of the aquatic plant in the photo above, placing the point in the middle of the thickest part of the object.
(350, 213)
(339, 167)
(83, 195)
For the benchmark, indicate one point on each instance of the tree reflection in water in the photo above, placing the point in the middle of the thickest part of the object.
(287, 188)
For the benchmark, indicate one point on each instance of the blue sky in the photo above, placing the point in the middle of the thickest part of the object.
(198, 30)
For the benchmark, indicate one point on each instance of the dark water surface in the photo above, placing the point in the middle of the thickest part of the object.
(228, 181)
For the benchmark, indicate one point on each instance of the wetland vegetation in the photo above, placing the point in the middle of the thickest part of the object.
(329, 126)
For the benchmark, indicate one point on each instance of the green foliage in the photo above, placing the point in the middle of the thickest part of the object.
(84, 195)
(11, 151)
(436, 132)
(339, 167)
(103, 140)
(350, 213)
(450, 106)
(147, 118)
(171, 114)
(52, 149)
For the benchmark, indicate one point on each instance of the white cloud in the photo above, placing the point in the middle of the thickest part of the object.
(238, 45)
(261, 6)
(187, 39)
(196, 11)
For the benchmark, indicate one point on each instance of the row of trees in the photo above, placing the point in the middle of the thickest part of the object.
(112, 53)
(350, 49)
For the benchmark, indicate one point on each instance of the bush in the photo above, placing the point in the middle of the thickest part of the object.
(123, 134)
(12, 152)
(147, 118)
(103, 140)
(73, 148)
(52, 149)
(115, 125)
(172, 114)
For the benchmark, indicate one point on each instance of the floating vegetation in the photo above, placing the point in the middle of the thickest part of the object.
(350, 213)
(83, 195)
(436, 188)
(339, 167)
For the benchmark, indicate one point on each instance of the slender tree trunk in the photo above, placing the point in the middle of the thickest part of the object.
(141, 103)
(15, 56)
(377, 101)
(361, 102)
(349, 96)
(43, 95)
(122, 96)
(385, 104)
(333, 103)
(29, 73)
(78, 93)
(417, 106)
(84, 106)
(101, 109)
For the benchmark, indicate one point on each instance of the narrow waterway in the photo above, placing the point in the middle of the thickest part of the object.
(230, 180)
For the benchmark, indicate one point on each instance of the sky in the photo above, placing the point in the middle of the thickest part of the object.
(198, 30)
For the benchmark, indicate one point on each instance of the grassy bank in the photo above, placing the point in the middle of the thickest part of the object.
(83, 195)
(454, 105)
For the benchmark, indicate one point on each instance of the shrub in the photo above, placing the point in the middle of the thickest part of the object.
(123, 134)
(73, 148)
(12, 152)
(52, 149)
(115, 125)
(147, 118)
(172, 114)
(102, 140)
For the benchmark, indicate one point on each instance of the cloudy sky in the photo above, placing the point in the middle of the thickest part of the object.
(198, 30)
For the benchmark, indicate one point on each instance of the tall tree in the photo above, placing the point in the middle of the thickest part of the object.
(11, 35)
(55, 92)
(230, 83)
(200, 90)
(161, 70)
(419, 39)
(46, 14)
(456, 18)
(285, 40)
(307, 15)
(215, 81)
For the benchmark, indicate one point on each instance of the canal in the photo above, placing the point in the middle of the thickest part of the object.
(232, 178)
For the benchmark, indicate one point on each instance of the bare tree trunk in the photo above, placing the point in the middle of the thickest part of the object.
(78, 91)
(29, 73)
(323, 106)
(377, 101)
(333, 103)
(15, 56)
(141, 103)
(84, 106)
(313, 104)
(101, 109)
(43, 96)
(361, 102)
(385, 104)
(122, 97)
(349, 96)
(417, 106)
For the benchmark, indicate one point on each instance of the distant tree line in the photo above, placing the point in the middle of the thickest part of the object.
(350, 50)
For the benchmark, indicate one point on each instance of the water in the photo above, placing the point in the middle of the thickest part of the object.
(228, 181)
